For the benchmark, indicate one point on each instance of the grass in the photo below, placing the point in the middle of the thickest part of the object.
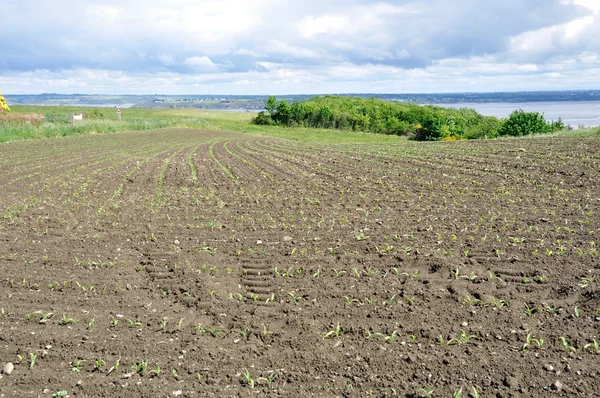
(101, 120)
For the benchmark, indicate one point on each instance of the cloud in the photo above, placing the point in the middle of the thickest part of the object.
(310, 46)
(201, 64)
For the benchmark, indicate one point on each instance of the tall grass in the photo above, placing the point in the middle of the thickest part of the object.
(55, 122)
(103, 120)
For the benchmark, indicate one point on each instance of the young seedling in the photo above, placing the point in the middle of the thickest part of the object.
(99, 364)
(335, 332)
(266, 331)
(529, 310)
(76, 364)
(67, 320)
(391, 338)
(140, 367)
(248, 379)
(529, 340)
(270, 298)
(468, 300)
(593, 346)
(498, 303)
(463, 338)
(114, 367)
(134, 324)
(425, 393)
(568, 347)
(32, 359)
(155, 372)
(91, 324)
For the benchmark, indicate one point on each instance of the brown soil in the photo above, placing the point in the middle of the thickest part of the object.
(341, 270)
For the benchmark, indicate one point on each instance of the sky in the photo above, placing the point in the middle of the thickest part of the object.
(297, 46)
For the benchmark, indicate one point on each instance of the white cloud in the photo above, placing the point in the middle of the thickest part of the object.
(201, 64)
(298, 46)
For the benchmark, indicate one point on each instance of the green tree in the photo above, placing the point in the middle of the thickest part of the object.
(283, 115)
(271, 104)
(3, 105)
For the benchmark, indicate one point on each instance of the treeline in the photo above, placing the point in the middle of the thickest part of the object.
(423, 123)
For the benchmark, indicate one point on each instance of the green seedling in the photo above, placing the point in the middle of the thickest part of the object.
(528, 310)
(32, 359)
(91, 324)
(114, 367)
(67, 321)
(140, 367)
(133, 324)
(270, 298)
(568, 347)
(425, 393)
(468, 300)
(77, 364)
(266, 330)
(335, 332)
(60, 394)
(553, 310)
(498, 303)
(529, 340)
(248, 379)
(391, 338)
(155, 372)
(99, 363)
(463, 338)
(593, 346)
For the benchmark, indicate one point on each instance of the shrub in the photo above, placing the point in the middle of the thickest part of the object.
(263, 119)
(521, 123)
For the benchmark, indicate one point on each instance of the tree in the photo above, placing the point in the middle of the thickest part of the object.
(271, 104)
(283, 115)
(3, 105)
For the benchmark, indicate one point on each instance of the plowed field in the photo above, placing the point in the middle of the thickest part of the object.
(201, 263)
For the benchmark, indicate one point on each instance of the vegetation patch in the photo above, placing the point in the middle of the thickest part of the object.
(422, 123)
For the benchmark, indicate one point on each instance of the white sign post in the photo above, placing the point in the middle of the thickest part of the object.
(118, 114)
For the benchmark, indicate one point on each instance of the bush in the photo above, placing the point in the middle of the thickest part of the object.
(522, 123)
(263, 119)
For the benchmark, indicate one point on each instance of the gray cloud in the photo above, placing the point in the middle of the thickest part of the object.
(298, 46)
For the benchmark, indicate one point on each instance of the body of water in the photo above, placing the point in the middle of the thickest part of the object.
(574, 113)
